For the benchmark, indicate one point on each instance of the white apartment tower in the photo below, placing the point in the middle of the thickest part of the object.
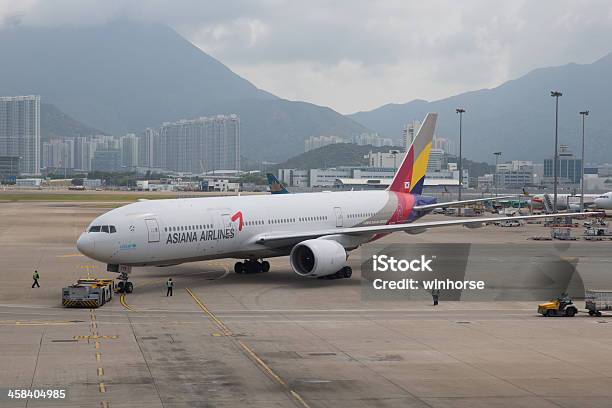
(409, 132)
(20, 131)
(201, 145)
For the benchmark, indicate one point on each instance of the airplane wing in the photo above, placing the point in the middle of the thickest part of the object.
(458, 203)
(289, 238)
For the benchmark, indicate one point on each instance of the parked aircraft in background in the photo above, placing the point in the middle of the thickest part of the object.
(276, 187)
(564, 201)
(604, 201)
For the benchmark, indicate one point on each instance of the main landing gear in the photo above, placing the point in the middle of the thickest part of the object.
(251, 266)
(345, 272)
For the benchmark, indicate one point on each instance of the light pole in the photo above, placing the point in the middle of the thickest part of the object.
(584, 115)
(460, 112)
(556, 95)
(497, 154)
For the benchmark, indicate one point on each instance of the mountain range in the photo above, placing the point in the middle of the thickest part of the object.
(55, 124)
(123, 77)
(518, 117)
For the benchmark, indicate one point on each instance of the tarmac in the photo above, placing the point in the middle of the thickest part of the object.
(277, 339)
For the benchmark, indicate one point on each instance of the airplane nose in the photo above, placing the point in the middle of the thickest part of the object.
(86, 244)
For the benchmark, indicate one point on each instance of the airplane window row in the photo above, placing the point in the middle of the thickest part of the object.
(109, 229)
(360, 215)
(286, 220)
(188, 228)
(317, 218)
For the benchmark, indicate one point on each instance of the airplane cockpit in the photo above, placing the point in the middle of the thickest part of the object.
(109, 229)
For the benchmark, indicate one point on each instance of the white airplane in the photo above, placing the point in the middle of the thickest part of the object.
(564, 201)
(316, 230)
(604, 201)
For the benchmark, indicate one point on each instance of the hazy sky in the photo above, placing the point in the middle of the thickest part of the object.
(357, 54)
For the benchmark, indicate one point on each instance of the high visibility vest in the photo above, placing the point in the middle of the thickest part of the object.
(169, 284)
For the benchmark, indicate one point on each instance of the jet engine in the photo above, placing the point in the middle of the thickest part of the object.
(474, 225)
(317, 257)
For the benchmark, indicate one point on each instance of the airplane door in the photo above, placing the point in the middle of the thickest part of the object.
(217, 241)
(338, 212)
(153, 229)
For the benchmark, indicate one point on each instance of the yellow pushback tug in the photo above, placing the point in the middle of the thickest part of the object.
(88, 292)
(561, 306)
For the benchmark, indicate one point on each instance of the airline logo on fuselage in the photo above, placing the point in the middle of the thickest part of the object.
(206, 235)
(238, 216)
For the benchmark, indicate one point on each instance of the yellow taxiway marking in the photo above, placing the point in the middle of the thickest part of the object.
(97, 345)
(68, 255)
(226, 331)
(249, 351)
(102, 387)
(100, 371)
(261, 363)
(96, 337)
(104, 404)
(33, 323)
(98, 357)
(124, 304)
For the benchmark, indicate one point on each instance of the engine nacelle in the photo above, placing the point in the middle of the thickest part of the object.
(474, 225)
(317, 257)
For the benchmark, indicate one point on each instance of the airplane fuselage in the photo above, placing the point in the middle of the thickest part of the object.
(166, 232)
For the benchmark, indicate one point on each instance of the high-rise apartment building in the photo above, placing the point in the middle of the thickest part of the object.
(315, 142)
(58, 154)
(409, 132)
(129, 150)
(149, 149)
(201, 145)
(20, 131)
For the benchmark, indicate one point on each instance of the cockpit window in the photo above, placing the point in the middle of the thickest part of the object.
(105, 228)
(95, 228)
(112, 229)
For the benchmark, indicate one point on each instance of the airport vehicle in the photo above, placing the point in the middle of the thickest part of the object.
(598, 300)
(90, 292)
(510, 223)
(316, 230)
(562, 234)
(562, 306)
(596, 233)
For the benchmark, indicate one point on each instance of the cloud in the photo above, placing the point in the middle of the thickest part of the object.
(359, 54)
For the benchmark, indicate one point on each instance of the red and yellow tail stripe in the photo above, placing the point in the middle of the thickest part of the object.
(410, 177)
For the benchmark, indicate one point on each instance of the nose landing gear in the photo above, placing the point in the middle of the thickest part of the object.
(251, 266)
(123, 286)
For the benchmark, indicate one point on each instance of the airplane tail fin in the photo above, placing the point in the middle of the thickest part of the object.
(275, 186)
(410, 176)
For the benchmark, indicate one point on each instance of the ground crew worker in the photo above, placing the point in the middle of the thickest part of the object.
(435, 294)
(36, 277)
(169, 286)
